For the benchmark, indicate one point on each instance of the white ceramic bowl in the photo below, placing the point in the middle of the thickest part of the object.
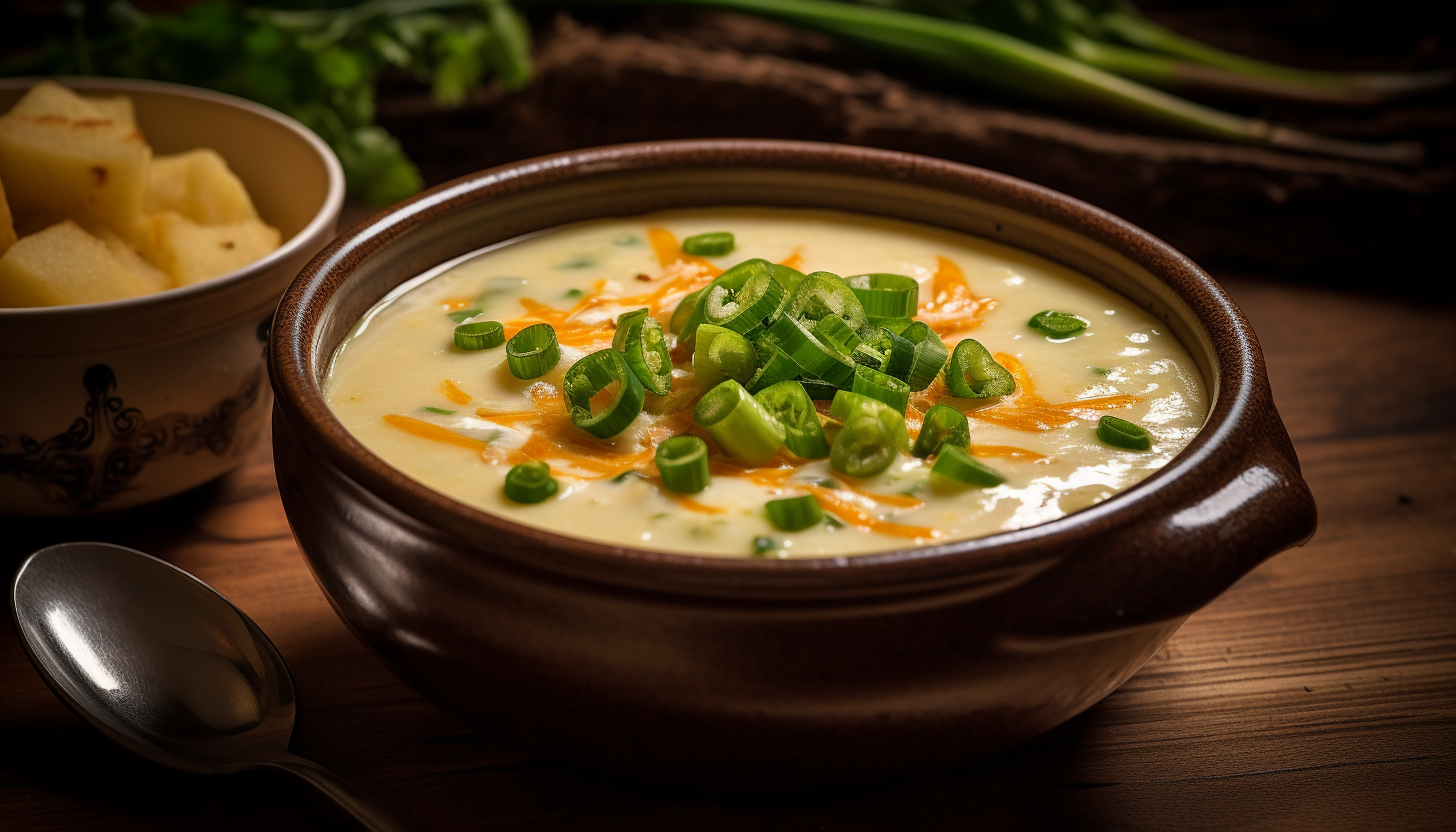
(110, 405)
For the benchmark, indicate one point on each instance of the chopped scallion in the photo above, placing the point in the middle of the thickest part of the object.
(974, 374)
(1121, 433)
(683, 463)
(789, 403)
(739, 424)
(711, 244)
(440, 410)
(943, 425)
(1057, 324)
(639, 338)
(720, 354)
(532, 352)
(590, 376)
(955, 464)
(928, 356)
(881, 387)
(792, 514)
(885, 296)
(530, 482)
(480, 335)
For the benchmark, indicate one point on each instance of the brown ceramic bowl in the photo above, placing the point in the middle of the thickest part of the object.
(724, 674)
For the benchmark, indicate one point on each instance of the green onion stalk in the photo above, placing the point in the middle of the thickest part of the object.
(1009, 63)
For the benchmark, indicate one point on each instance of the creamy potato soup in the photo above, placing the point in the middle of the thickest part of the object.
(1052, 392)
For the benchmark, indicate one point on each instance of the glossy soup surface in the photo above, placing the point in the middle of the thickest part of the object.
(456, 420)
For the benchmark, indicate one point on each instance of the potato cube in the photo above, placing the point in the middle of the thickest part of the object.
(63, 265)
(117, 108)
(134, 261)
(63, 158)
(199, 186)
(7, 223)
(191, 252)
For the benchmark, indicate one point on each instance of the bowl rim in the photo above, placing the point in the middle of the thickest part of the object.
(1237, 386)
(308, 235)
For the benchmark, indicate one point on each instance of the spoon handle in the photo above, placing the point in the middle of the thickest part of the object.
(342, 792)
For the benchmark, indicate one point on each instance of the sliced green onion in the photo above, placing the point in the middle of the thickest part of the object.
(683, 312)
(864, 447)
(897, 325)
(739, 424)
(530, 482)
(809, 352)
(532, 352)
(819, 391)
(720, 354)
(460, 316)
(943, 425)
(741, 298)
(639, 338)
(1121, 433)
(1057, 324)
(788, 277)
(683, 463)
(440, 410)
(821, 294)
(774, 366)
(899, 354)
(711, 244)
(885, 296)
(867, 356)
(954, 463)
(480, 335)
(833, 331)
(928, 356)
(974, 374)
(763, 545)
(789, 403)
(792, 514)
(881, 387)
(590, 376)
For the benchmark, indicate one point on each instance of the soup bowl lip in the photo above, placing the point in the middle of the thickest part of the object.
(310, 235)
(300, 404)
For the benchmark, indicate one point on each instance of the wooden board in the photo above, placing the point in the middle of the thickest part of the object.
(1319, 692)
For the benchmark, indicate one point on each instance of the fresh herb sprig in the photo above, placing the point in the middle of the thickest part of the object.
(319, 66)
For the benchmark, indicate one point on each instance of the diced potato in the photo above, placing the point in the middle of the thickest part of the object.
(135, 262)
(7, 223)
(63, 158)
(198, 185)
(118, 108)
(63, 265)
(190, 252)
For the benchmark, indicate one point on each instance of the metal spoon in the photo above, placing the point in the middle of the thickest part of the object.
(164, 665)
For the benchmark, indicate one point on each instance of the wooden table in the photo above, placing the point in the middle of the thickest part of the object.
(1319, 692)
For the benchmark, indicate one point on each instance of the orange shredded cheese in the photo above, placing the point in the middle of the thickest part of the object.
(433, 432)
(950, 306)
(794, 260)
(1027, 410)
(454, 393)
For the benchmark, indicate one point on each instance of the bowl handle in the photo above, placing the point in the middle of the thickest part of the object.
(1168, 562)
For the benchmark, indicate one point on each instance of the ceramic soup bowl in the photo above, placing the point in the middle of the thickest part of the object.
(721, 674)
(110, 405)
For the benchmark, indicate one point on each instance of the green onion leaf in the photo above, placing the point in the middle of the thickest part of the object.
(789, 278)
(789, 403)
(819, 391)
(711, 244)
(865, 355)
(683, 313)
(943, 425)
(739, 424)
(590, 376)
(1121, 433)
(532, 352)
(792, 514)
(821, 294)
(833, 331)
(955, 464)
(720, 354)
(872, 434)
(530, 482)
(775, 366)
(885, 296)
(928, 355)
(639, 338)
(1058, 324)
(440, 410)
(809, 352)
(683, 463)
(480, 335)
(881, 387)
(899, 354)
(763, 545)
(974, 374)
(741, 298)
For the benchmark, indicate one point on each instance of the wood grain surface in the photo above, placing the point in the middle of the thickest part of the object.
(1319, 692)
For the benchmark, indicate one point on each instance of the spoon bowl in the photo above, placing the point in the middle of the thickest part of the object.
(164, 665)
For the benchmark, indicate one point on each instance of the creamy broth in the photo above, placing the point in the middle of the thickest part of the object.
(457, 420)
